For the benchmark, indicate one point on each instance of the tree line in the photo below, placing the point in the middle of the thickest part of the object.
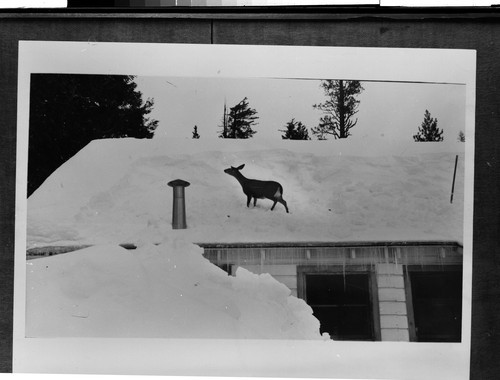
(339, 110)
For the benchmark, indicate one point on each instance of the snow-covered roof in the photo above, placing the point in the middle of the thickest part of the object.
(115, 191)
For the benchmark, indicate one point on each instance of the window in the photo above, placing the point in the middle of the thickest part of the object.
(434, 303)
(342, 302)
(228, 268)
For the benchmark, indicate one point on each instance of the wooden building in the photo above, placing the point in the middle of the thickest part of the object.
(378, 291)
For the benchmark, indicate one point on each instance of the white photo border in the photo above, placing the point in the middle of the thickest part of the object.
(268, 358)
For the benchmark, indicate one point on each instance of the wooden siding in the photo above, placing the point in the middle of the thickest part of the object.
(392, 303)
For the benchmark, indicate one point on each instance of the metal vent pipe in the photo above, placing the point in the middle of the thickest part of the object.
(179, 205)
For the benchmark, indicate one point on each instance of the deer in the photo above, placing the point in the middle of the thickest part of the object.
(256, 189)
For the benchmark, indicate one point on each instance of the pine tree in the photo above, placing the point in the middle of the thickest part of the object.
(67, 111)
(224, 132)
(237, 124)
(295, 130)
(338, 109)
(195, 133)
(428, 131)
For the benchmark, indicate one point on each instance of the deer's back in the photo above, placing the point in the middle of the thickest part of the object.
(260, 189)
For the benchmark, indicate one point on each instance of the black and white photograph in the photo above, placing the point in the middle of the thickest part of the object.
(278, 211)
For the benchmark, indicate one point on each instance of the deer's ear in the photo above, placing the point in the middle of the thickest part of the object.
(240, 167)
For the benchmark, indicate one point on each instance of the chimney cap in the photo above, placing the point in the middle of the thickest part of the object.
(178, 182)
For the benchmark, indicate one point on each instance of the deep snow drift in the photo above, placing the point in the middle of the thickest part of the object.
(115, 191)
(165, 291)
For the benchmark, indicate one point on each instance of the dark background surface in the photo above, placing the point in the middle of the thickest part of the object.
(363, 27)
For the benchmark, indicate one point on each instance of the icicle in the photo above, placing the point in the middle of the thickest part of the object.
(343, 272)
(373, 256)
(262, 259)
(420, 257)
(238, 259)
(229, 267)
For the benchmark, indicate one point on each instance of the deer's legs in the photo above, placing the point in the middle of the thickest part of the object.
(283, 202)
(274, 204)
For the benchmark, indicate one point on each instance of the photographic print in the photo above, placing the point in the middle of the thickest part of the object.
(275, 199)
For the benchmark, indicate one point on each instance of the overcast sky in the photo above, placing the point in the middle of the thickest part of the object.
(388, 111)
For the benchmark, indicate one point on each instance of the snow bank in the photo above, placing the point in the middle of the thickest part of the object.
(165, 291)
(115, 191)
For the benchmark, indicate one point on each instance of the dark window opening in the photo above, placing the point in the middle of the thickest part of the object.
(342, 304)
(228, 268)
(437, 305)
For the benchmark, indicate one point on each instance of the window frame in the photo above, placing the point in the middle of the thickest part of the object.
(407, 269)
(304, 270)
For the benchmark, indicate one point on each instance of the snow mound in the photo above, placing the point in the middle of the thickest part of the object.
(164, 291)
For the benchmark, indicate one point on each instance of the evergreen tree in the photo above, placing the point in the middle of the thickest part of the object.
(461, 136)
(428, 131)
(67, 111)
(338, 109)
(237, 124)
(195, 133)
(295, 130)
(224, 126)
